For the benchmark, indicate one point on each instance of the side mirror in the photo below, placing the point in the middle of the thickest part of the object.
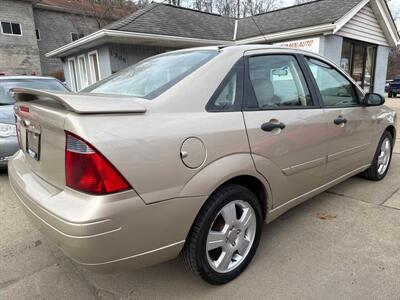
(373, 99)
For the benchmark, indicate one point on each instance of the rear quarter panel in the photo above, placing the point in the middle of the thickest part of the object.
(146, 149)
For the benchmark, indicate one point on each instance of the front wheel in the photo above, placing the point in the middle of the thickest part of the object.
(381, 162)
(225, 235)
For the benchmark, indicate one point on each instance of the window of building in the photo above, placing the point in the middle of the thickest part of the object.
(358, 59)
(335, 89)
(76, 36)
(11, 28)
(72, 74)
(278, 81)
(37, 34)
(83, 74)
(94, 67)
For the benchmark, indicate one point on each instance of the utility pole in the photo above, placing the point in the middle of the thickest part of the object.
(238, 9)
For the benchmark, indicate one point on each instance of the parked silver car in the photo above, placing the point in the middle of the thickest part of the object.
(190, 152)
(8, 134)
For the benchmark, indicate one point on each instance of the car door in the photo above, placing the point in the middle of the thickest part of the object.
(286, 128)
(350, 124)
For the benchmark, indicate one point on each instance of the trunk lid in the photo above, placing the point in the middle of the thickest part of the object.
(40, 121)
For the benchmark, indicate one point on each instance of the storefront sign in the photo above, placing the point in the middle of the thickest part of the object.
(306, 44)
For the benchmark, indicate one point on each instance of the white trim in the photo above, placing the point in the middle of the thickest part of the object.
(289, 34)
(11, 34)
(390, 27)
(74, 83)
(347, 17)
(87, 83)
(235, 30)
(123, 34)
(91, 67)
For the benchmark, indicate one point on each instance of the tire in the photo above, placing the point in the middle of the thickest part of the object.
(204, 261)
(390, 95)
(380, 164)
(394, 95)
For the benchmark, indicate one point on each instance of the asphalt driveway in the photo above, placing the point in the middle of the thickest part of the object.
(342, 244)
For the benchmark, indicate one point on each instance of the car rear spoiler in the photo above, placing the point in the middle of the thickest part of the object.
(83, 103)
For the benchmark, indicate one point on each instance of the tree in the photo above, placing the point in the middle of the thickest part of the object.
(236, 8)
(297, 2)
(104, 11)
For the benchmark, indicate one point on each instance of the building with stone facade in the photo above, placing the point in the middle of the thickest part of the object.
(32, 28)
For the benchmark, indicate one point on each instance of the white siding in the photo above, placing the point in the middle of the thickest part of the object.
(365, 27)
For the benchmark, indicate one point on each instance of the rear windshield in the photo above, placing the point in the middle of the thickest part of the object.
(38, 84)
(153, 76)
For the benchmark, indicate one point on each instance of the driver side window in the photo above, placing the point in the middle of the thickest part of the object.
(278, 81)
(335, 89)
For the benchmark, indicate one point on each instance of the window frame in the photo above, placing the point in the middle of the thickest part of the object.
(357, 91)
(81, 83)
(74, 83)
(91, 67)
(238, 68)
(38, 34)
(11, 34)
(249, 93)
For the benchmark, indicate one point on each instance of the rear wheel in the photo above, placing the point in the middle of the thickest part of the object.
(390, 95)
(381, 162)
(225, 235)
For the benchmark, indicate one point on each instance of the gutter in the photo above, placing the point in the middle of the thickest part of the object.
(102, 33)
(294, 33)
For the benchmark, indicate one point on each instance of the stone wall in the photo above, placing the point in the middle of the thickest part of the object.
(55, 29)
(19, 54)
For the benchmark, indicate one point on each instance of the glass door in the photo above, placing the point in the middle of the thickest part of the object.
(358, 59)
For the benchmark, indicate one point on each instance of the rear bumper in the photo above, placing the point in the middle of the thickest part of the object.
(104, 233)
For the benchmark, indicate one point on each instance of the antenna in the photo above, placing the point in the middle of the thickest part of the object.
(259, 29)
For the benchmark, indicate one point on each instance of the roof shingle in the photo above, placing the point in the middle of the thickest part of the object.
(165, 19)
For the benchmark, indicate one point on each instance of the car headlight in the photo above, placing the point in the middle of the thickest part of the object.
(7, 130)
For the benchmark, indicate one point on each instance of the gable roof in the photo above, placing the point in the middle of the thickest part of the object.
(292, 17)
(166, 19)
(183, 27)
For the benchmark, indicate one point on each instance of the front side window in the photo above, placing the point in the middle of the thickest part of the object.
(151, 77)
(336, 90)
(11, 28)
(278, 81)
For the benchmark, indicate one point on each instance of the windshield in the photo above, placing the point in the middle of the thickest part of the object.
(38, 84)
(153, 76)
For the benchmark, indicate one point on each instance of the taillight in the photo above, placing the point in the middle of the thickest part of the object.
(87, 170)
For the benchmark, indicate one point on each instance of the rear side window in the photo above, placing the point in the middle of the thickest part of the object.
(151, 77)
(336, 90)
(228, 96)
(278, 81)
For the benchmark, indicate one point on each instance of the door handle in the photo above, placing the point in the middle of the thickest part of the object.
(270, 126)
(340, 120)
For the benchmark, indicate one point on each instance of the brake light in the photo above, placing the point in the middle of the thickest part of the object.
(87, 170)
